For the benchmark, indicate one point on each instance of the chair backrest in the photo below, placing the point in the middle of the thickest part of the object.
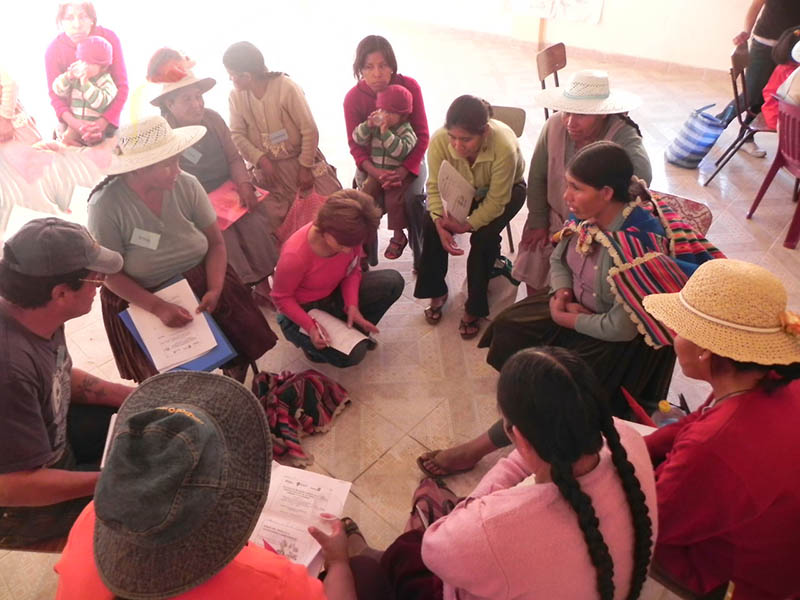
(740, 61)
(789, 135)
(512, 116)
(548, 62)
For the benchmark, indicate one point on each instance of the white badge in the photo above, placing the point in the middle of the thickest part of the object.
(192, 155)
(145, 239)
(276, 137)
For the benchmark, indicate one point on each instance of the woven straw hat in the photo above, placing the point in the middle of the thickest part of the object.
(204, 84)
(734, 309)
(587, 93)
(149, 141)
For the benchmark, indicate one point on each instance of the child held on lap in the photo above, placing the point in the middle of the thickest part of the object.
(390, 137)
(87, 84)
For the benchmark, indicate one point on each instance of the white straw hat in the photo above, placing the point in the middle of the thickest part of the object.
(587, 93)
(149, 141)
(204, 84)
(734, 309)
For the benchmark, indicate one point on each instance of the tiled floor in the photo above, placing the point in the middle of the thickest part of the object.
(424, 387)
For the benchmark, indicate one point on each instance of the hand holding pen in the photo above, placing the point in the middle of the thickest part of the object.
(319, 337)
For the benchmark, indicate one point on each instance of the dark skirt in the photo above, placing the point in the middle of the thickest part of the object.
(644, 371)
(236, 314)
(407, 574)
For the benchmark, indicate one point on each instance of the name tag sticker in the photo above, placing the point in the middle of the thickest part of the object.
(145, 239)
(276, 137)
(192, 155)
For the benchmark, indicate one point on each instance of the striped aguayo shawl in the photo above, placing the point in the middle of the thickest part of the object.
(654, 252)
(297, 404)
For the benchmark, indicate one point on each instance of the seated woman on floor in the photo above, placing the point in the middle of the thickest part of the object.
(728, 504)
(161, 221)
(486, 153)
(566, 515)
(598, 277)
(216, 163)
(319, 268)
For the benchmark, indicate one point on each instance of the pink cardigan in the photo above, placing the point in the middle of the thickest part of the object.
(301, 277)
(522, 541)
(61, 54)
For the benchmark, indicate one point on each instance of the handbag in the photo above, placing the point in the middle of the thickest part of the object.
(303, 211)
(697, 136)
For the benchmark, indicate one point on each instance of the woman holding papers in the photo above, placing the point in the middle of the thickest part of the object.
(216, 163)
(728, 495)
(319, 268)
(161, 221)
(486, 154)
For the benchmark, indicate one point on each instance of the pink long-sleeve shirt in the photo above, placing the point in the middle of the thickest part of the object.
(301, 276)
(61, 54)
(523, 541)
(360, 102)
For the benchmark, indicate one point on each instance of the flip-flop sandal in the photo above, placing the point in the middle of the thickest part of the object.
(431, 456)
(395, 249)
(469, 329)
(433, 314)
(351, 528)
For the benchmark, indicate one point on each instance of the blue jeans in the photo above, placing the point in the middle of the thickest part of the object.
(378, 291)
(756, 77)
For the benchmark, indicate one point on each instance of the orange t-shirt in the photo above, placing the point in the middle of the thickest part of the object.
(254, 573)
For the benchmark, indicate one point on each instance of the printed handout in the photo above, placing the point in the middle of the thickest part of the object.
(456, 192)
(340, 336)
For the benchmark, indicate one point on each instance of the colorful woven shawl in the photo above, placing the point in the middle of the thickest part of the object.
(654, 252)
(297, 404)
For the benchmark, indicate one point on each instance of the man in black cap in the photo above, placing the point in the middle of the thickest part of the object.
(54, 418)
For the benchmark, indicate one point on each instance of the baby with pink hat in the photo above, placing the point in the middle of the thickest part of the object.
(87, 84)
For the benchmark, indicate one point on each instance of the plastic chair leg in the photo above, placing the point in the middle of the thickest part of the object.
(773, 169)
(794, 230)
(796, 189)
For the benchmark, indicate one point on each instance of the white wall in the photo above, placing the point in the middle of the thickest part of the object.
(697, 33)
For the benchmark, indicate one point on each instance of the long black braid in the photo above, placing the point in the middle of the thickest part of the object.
(589, 524)
(564, 419)
(640, 514)
(106, 180)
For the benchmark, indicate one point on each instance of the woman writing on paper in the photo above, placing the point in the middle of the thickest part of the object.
(319, 267)
(161, 221)
(486, 153)
(218, 166)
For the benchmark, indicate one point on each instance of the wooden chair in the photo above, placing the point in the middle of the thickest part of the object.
(548, 62)
(515, 118)
(740, 60)
(788, 156)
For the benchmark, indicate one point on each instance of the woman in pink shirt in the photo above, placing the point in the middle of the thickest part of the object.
(570, 514)
(319, 267)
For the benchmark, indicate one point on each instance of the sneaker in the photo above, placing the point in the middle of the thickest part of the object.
(754, 150)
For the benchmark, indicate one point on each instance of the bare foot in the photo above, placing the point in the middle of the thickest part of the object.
(439, 463)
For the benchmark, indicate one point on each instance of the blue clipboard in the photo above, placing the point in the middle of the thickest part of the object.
(213, 359)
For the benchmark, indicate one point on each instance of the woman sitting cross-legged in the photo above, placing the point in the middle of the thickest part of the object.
(567, 515)
(486, 153)
(161, 221)
(319, 267)
(728, 495)
(619, 246)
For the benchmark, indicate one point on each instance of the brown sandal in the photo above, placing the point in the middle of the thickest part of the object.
(395, 249)
(469, 329)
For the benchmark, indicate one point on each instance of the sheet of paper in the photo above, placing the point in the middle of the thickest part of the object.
(172, 346)
(456, 192)
(296, 499)
(227, 205)
(340, 336)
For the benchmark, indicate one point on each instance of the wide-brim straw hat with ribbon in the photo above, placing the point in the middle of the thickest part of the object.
(734, 309)
(150, 141)
(204, 84)
(587, 93)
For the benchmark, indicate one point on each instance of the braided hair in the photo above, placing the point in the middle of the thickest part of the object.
(565, 419)
(106, 180)
(631, 122)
